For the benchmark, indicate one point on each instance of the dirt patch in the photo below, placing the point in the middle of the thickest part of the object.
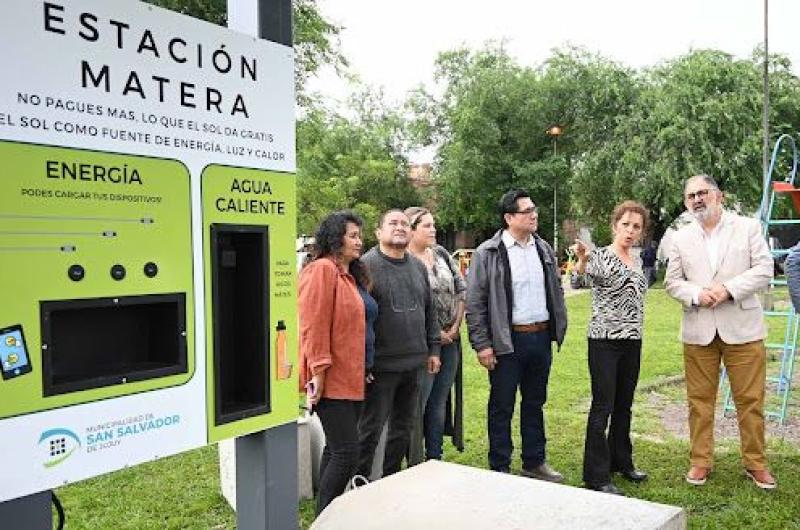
(670, 401)
(674, 418)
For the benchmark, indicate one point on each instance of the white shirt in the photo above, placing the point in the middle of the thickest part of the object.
(527, 281)
(712, 242)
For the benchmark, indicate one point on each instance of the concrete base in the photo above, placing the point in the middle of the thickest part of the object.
(227, 470)
(468, 498)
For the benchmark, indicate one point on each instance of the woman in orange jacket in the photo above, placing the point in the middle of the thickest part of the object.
(336, 315)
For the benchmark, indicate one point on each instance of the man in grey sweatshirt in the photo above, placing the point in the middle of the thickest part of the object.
(406, 338)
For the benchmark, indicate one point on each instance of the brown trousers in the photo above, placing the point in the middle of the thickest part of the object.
(746, 365)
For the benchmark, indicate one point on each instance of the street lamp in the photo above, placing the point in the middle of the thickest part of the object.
(554, 132)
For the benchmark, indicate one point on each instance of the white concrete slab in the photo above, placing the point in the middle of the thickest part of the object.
(445, 495)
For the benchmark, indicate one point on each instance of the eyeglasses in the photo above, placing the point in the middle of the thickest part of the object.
(699, 194)
(527, 211)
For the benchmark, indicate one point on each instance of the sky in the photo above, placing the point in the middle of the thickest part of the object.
(393, 44)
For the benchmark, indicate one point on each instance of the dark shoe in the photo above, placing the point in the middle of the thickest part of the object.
(543, 472)
(633, 475)
(606, 488)
(502, 470)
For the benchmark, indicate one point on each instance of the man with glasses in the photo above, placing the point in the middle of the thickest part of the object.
(515, 309)
(717, 265)
(407, 337)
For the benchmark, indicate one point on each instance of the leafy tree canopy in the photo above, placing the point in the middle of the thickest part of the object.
(625, 134)
(352, 162)
(698, 113)
(316, 40)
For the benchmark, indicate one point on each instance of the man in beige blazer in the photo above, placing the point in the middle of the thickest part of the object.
(717, 265)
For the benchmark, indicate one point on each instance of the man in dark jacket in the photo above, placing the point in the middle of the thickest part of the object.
(515, 309)
(792, 266)
(406, 338)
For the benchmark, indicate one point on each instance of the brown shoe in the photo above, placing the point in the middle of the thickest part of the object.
(697, 476)
(543, 472)
(762, 478)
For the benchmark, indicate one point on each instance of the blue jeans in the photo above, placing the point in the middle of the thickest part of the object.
(440, 386)
(526, 368)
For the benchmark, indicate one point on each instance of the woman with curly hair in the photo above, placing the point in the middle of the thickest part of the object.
(336, 345)
(615, 347)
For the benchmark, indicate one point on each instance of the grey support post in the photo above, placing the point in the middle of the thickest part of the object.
(31, 511)
(266, 461)
(266, 479)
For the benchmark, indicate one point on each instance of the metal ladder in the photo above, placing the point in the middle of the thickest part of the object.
(773, 191)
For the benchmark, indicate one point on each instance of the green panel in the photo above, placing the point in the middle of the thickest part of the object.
(236, 196)
(50, 220)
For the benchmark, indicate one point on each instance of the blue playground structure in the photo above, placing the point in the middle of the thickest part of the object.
(772, 213)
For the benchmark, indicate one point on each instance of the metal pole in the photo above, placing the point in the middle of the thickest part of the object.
(555, 204)
(765, 117)
(266, 461)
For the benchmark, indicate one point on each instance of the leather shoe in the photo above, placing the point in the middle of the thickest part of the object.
(633, 475)
(762, 478)
(543, 472)
(697, 476)
(606, 488)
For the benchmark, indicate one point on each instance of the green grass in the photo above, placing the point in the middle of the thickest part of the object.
(183, 491)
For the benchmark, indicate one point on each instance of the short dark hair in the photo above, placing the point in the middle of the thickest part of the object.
(387, 212)
(705, 178)
(508, 203)
(328, 241)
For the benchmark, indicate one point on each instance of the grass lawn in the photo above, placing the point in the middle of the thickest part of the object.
(183, 491)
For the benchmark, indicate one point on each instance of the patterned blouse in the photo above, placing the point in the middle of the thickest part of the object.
(617, 296)
(447, 286)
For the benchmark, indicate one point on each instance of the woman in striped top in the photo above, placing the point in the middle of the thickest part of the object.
(615, 346)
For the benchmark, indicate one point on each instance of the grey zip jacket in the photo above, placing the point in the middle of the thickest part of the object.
(792, 268)
(490, 296)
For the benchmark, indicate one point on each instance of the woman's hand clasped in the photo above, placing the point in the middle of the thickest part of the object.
(446, 338)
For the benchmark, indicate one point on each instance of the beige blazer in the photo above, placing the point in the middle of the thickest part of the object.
(744, 267)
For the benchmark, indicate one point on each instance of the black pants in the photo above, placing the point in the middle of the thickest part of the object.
(614, 368)
(527, 368)
(392, 396)
(339, 418)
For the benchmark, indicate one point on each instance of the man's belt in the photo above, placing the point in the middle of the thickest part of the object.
(536, 327)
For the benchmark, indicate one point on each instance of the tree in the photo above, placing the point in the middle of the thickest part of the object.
(491, 120)
(699, 113)
(490, 138)
(316, 41)
(352, 163)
